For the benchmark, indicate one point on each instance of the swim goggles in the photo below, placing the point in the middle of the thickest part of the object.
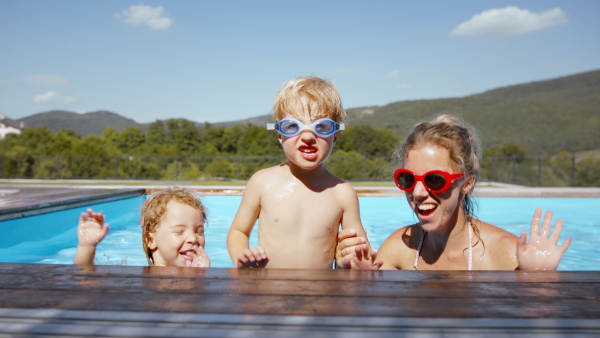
(292, 127)
(435, 181)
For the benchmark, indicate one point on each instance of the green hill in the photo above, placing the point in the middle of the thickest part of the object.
(544, 116)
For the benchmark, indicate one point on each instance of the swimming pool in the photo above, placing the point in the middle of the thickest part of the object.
(52, 238)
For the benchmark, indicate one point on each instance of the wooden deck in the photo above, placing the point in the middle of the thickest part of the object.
(69, 300)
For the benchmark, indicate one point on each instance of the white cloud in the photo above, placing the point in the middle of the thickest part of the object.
(139, 15)
(404, 86)
(55, 97)
(44, 80)
(509, 21)
(394, 73)
(3, 82)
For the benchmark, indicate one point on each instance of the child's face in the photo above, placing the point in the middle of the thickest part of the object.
(307, 150)
(180, 230)
(434, 210)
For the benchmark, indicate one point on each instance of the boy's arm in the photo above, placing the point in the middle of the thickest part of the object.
(363, 255)
(239, 232)
(90, 231)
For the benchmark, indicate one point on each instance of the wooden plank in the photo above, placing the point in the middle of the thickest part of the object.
(147, 324)
(309, 275)
(206, 285)
(305, 305)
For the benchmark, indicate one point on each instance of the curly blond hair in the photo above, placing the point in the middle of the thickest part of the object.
(155, 207)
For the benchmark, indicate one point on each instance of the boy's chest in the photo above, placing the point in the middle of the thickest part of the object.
(299, 213)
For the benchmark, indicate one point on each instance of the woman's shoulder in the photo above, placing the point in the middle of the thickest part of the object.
(491, 232)
(402, 239)
(501, 246)
(397, 251)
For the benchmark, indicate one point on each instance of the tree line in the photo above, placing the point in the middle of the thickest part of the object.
(177, 148)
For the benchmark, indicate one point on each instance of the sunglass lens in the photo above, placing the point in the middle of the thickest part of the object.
(406, 180)
(289, 127)
(435, 181)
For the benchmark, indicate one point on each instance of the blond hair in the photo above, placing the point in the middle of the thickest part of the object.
(155, 207)
(312, 89)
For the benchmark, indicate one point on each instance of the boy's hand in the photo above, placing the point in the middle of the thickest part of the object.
(541, 253)
(254, 257)
(200, 260)
(349, 246)
(91, 229)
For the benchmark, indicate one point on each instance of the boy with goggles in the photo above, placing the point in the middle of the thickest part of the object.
(299, 205)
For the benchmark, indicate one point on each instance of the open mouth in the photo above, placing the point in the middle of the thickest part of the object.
(308, 150)
(187, 255)
(426, 209)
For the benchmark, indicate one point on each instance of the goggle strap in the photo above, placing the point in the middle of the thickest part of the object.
(271, 126)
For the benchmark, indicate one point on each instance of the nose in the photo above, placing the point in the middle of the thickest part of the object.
(192, 238)
(307, 136)
(419, 191)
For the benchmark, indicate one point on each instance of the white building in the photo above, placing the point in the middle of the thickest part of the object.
(8, 126)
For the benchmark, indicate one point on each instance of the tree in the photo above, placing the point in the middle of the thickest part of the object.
(367, 141)
(130, 139)
(156, 134)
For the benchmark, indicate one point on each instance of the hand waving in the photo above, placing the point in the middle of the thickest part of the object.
(541, 253)
(91, 229)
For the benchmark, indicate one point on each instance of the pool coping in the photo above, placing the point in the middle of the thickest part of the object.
(31, 201)
(21, 200)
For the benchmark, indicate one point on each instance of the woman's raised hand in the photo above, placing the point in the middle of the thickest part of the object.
(541, 252)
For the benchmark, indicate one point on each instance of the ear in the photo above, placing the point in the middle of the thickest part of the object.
(150, 242)
(468, 185)
(279, 138)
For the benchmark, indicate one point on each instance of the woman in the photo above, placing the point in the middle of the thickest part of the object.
(438, 166)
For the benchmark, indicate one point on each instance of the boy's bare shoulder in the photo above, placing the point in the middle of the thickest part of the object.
(343, 189)
(265, 175)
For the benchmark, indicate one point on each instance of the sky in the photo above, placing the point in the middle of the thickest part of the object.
(218, 61)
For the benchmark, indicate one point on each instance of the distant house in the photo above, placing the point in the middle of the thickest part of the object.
(8, 126)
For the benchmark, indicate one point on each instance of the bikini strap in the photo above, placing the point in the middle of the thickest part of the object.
(470, 264)
(419, 249)
(470, 246)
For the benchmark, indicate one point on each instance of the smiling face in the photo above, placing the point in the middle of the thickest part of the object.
(435, 211)
(306, 150)
(180, 230)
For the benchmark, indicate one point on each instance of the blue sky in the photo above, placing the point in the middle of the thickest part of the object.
(225, 60)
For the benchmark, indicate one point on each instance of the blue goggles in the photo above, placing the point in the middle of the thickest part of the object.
(292, 127)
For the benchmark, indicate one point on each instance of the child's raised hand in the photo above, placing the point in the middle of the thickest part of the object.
(541, 253)
(91, 229)
(200, 259)
(254, 257)
(365, 259)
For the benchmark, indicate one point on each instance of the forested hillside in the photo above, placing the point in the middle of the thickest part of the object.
(546, 116)
(82, 124)
(543, 117)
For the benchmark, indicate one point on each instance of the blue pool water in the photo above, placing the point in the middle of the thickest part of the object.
(52, 238)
